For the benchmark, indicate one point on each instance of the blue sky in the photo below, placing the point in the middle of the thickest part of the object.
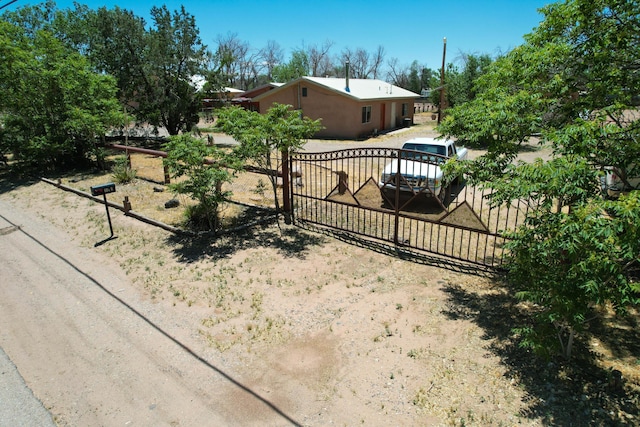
(407, 29)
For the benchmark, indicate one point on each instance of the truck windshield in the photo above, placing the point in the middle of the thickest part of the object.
(425, 148)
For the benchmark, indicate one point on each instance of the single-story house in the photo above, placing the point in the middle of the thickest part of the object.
(222, 95)
(245, 99)
(349, 108)
(229, 93)
(220, 98)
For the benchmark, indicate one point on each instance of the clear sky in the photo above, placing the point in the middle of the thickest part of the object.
(407, 29)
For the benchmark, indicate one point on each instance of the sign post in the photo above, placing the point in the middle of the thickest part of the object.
(103, 189)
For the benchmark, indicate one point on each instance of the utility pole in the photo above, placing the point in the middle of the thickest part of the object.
(441, 107)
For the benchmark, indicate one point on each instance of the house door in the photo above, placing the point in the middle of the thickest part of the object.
(383, 110)
(393, 115)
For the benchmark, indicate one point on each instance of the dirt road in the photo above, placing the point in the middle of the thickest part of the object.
(94, 359)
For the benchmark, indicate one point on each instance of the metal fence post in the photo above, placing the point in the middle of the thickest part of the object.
(286, 187)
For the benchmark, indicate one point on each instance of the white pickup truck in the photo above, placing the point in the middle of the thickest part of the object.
(418, 167)
(616, 182)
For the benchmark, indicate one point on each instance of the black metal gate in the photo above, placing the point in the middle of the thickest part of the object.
(366, 192)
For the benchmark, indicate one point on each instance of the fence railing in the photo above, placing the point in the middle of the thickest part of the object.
(252, 185)
(352, 190)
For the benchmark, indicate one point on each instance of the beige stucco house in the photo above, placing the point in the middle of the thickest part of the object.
(245, 99)
(349, 108)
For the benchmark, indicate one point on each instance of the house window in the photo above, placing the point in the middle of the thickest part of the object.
(405, 109)
(366, 114)
(304, 91)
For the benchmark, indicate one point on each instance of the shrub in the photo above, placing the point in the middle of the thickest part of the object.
(121, 171)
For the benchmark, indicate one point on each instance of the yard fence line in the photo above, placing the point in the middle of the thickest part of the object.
(126, 209)
(342, 190)
(282, 176)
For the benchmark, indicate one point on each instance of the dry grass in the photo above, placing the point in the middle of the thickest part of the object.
(148, 194)
(144, 200)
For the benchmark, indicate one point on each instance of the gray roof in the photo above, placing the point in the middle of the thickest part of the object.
(359, 89)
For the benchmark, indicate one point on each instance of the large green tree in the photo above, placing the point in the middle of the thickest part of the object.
(155, 65)
(297, 66)
(53, 104)
(460, 84)
(32, 18)
(574, 83)
(263, 137)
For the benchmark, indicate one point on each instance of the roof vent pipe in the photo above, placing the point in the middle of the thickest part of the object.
(346, 67)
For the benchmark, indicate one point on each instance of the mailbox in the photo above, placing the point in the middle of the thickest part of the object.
(103, 190)
(98, 190)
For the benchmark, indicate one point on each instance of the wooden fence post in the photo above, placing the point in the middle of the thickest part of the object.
(167, 178)
(342, 181)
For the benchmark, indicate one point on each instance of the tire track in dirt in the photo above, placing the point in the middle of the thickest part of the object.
(92, 358)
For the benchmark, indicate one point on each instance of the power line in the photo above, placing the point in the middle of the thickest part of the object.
(11, 2)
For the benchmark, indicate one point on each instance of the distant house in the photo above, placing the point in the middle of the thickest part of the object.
(349, 108)
(245, 99)
(223, 95)
(228, 93)
(220, 98)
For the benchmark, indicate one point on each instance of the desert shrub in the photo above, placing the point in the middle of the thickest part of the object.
(121, 171)
(203, 180)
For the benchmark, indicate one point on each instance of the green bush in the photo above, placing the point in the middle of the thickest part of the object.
(203, 181)
(121, 171)
(201, 217)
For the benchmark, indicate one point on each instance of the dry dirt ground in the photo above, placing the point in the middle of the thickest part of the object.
(287, 327)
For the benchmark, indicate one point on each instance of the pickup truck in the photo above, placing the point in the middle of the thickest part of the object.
(616, 182)
(418, 166)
